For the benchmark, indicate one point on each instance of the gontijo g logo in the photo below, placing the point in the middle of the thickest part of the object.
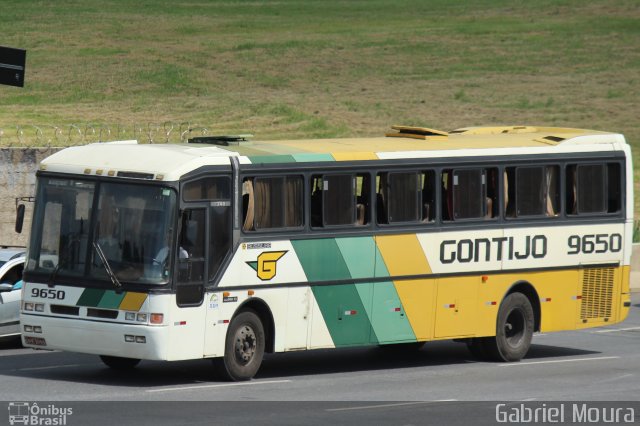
(266, 264)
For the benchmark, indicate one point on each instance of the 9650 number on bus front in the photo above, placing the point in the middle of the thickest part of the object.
(47, 293)
(594, 243)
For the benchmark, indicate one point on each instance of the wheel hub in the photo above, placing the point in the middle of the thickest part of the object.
(245, 344)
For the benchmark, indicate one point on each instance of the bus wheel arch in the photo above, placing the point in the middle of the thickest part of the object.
(260, 308)
(530, 292)
(515, 324)
(518, 317)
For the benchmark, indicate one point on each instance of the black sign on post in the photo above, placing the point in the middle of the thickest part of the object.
(12, 63)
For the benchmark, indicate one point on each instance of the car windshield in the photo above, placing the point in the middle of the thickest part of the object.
(132, 226)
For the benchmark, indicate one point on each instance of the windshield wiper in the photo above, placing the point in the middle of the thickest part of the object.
(106, 265)
(52, 275)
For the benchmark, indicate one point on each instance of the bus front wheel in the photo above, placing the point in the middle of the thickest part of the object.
(244, 348)
(119, 363)
(514, 330)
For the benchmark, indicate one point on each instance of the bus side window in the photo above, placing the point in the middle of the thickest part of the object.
(587, 188)
(469, 194)
(428, 196)
(316, 201)
(334, 197)
(492, 208)
(381, 205)
(363, 204)
(447, 195)
(273, 202)
(614, 190)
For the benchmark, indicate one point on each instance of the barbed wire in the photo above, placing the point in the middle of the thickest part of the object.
(48, 135)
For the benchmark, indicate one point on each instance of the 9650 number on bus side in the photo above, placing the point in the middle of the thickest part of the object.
(594, 243)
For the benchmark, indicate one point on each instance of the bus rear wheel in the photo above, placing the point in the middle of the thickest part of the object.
(244, 348)
(514, 330)
(119, 363)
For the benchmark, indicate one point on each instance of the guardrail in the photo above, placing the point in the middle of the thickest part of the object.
(47, 135)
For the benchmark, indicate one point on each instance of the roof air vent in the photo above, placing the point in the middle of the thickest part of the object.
(416, 132)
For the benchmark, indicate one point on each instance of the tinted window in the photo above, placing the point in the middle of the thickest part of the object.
(273, 202)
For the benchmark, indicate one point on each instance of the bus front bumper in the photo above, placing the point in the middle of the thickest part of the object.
(94, 337)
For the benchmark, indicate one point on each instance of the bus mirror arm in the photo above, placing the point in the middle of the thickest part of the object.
(20, 209)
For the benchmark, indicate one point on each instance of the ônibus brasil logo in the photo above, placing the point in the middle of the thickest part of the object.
(266, 263)
(30, 414)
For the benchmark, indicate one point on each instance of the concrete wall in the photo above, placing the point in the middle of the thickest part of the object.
(17, 179)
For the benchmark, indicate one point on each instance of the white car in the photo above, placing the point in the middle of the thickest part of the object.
(11, 266)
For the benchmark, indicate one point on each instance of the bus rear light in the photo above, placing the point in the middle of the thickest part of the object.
(28, 306)
(39, 307)
(156, 318)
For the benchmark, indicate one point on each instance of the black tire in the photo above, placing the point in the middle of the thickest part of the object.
(514, 330)
(119, 363)
(244, 348)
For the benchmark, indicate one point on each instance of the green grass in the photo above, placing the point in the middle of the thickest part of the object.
(333, 68)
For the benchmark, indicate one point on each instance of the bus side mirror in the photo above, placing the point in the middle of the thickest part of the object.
(19, 218)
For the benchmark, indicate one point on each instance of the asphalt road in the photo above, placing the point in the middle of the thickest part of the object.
(366, 383)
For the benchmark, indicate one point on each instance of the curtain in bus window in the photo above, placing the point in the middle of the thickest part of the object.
(268, 194)
(248, 204)
(338, 200)
(591, 196)
(468, 194)
(209, 188)
(553, 190)
(293, 201)
(404, 197)
(530, 191)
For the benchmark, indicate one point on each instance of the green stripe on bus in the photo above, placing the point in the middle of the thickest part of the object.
(390, 321)
(341, 306)
(111, 300)
(301, 158)
(257, 159)
(344, 314)
(359, 254)
(90, 297)
(321, 259)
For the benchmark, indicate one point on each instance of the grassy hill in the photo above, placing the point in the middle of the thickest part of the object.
(322, 68)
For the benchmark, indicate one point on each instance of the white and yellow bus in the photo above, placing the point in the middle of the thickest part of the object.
(228, 249)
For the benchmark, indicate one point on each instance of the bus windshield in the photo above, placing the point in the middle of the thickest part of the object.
(132, 226)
